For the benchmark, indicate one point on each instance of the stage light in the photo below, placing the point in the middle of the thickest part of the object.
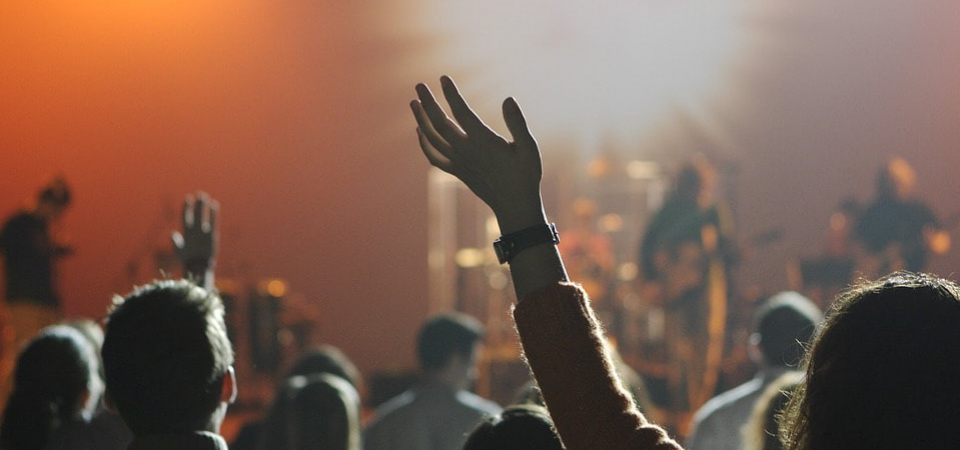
(628, 271)
(469, 258)
(599, 167)
(643, 170)
(611, 223)
(498, 281)
(600, 69)
(276, 288)
(838, 221)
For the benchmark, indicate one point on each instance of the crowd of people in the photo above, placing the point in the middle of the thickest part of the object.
(876, 371)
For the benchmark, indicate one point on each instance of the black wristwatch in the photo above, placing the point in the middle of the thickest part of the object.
(509, 245)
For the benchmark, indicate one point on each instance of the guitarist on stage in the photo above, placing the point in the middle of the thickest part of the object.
(30, 251)
(684, 255)
(897, 231)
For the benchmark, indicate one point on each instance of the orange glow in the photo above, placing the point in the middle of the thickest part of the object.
(277, 288)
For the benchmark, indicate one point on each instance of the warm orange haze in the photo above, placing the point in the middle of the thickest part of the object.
(294, 115)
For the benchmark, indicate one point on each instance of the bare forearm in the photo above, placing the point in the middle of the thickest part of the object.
(506, 175)
(535, 267)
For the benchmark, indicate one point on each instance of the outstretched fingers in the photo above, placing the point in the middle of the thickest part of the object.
(428, 132)
(187, 220)
(200, 220)
(432, 154)
(213, 209)
(443, 125)
(178, 242)
(517, 124)
(469, 120)
(188, 217)
(199, 214)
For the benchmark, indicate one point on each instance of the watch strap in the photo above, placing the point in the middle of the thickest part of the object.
(509, 245)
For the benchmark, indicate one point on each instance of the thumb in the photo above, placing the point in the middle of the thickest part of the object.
(177, 239)
(517, 124)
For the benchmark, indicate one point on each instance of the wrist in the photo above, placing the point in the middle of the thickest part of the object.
(509, 245)
(199, 265)
(512, 220)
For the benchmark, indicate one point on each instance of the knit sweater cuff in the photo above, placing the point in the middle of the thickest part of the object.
(564, 345)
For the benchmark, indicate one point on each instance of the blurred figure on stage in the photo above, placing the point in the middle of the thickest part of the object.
(685, 255)
(898, 231)
(30, 252)
(820, 278)
(591, 261)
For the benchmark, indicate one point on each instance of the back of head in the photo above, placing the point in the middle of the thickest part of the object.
(695, 180)
(94, 336)
(165, 357)
(326, 359)
(519, 427)
(785, 323)
(56, 194)
(896, 180)
(689, 183)
(882, 372)
(446, 335)
(319, 411)
(90, 330)
(54, 374)
(323, 414)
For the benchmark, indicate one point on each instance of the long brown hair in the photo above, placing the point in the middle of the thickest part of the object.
(882, 370)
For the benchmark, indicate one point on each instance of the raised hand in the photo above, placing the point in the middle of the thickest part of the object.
(505, 175)
(196, 247)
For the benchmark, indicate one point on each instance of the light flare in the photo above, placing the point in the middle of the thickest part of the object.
(591, 71)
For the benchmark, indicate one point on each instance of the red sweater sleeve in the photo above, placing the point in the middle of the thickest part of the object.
(563, 343)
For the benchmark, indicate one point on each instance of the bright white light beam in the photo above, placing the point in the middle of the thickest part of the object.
(585, 70)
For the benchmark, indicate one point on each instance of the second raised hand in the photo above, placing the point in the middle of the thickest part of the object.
(505, 175)
(197, 245)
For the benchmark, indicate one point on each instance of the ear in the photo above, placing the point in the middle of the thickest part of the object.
(228, 393)
(109, 403)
